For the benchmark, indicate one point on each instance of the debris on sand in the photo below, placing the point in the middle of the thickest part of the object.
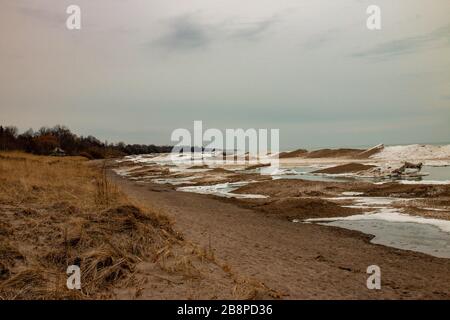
(407, 170)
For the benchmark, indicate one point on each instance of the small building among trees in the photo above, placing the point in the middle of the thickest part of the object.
(58, 152)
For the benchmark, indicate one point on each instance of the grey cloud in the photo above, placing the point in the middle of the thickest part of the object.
(406, 46)
(185, 33)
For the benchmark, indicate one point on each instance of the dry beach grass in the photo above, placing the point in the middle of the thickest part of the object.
(56, 212)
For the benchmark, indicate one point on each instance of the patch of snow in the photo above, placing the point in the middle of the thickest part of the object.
(125, 171)
(222, 190)
(424, 182)
(351, 193)
(276, 171)
(390, 214)
(174, 181)
(414, 152)
(371, 202)
(434, 209)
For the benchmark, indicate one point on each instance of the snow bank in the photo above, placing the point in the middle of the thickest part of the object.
(414, 152)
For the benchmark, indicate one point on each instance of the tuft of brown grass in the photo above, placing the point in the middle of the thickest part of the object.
(57, 212)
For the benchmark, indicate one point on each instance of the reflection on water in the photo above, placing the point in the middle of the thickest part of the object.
(418, 237)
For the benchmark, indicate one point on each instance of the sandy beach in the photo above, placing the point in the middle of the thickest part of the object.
(145, 227)
(274, 230)
(299, 261)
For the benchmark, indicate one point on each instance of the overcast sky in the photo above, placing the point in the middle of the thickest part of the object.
(138, 69)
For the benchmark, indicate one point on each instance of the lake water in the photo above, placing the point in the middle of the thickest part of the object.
(418, 237)
(434, 174)
(437, 173)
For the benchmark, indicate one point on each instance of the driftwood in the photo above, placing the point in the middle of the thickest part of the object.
(408, 165)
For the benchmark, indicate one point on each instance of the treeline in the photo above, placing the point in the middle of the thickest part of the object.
(46, 141)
